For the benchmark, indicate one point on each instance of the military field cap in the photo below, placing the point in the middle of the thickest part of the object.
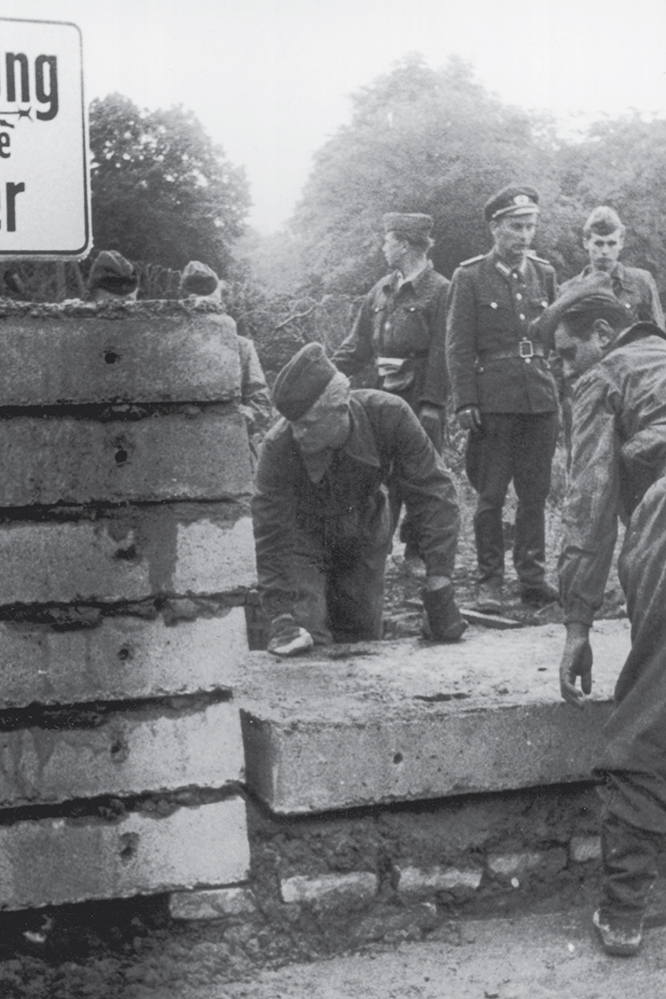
(302, 381)
(113, 273)
(198, 279)
(603, 221)
(512, 200)
(595, 290)
(413, 224)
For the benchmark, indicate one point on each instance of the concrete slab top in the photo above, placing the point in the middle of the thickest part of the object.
(411, 679)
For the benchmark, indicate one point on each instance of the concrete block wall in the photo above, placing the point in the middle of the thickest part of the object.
(126, 550)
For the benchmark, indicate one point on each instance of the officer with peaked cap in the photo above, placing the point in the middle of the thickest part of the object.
(321, 516)
(401, 326)
(618, 461)
(504, 393)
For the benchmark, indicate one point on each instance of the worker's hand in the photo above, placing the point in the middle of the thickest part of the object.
(576, 662)
(444, 621)
(287, 638)
(430, 418)
(469, 417)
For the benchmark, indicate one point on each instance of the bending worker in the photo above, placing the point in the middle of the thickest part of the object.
(617, 470)
(321, 515)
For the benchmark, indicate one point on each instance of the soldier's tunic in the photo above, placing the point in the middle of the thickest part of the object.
(403, 321)
(321, 547)
(494, 365)
(617, 470)
(634, 287)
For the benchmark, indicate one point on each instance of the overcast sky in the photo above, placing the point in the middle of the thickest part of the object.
(270, 79)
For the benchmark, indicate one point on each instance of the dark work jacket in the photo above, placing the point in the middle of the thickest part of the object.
(618, 450)
(407, 322)
(489, 311)
(347, 511)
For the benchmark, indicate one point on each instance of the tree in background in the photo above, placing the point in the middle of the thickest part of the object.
(420, 140)
(621, 163)
(161, 190)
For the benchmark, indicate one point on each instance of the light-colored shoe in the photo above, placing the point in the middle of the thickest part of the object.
(620, 937)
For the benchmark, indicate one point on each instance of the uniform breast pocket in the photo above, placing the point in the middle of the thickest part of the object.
(410, 329)
(494, 316)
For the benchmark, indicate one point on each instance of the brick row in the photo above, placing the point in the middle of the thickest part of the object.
(122, 658)
(138, 357)
(54, 861)
(164, 457)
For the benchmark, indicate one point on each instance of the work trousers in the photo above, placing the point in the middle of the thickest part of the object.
(518, 448)
(340, 581)
(632, 753)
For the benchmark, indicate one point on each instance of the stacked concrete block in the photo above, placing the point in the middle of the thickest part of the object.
(126, 550)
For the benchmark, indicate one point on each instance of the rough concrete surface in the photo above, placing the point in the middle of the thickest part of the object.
(145, 554)
(136, 356)
(540, 957)
(399, 721)
(125, 752)
(75, 461)
(122, 658)
(51, 861)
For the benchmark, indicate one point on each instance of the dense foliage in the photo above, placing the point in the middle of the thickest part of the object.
(422, 140)
(161, 190)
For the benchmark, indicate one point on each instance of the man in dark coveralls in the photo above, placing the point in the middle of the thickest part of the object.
(618, 470)
(401, 327)
(504, 393)
(322, 522)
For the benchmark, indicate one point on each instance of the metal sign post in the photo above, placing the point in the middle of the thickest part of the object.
(44, 178)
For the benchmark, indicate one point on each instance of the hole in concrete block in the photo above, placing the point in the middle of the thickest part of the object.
(119, 749)
(125, 554)
(121, 456)
(129, 844)
(397, 758)
(110, 356)
(125, 653)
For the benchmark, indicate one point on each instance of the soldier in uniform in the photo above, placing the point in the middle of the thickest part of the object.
(618, 472)
(322, 523)
(200, 283)
(603, 238)
(505, 394)
(401, 327)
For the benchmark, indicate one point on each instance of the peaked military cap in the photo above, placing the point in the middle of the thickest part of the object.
(516, 199)
(413, 224)
(113, 273)
(198, 279)
(302, 381)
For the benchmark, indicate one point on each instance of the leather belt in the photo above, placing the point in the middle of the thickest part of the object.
(524, 349)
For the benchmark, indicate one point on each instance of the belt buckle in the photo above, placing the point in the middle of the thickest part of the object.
(526, 348)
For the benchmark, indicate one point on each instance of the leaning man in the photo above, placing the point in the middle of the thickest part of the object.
(322, 521)
(617, 470)
(504, 393)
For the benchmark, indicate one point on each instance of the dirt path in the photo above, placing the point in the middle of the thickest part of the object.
(540, 957)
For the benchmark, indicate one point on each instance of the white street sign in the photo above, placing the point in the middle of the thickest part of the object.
(44, 178)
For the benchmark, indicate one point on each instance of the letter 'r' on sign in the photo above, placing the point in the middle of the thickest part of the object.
(44, 173)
